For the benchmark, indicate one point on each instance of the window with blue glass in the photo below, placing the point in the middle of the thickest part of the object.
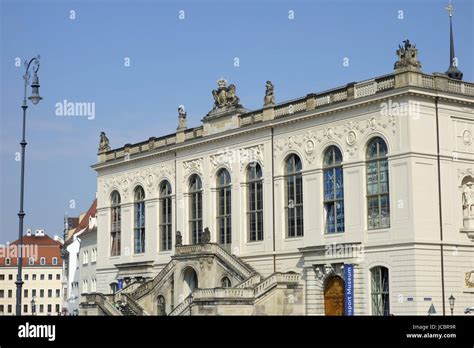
(378, 206)
(224, 207)
(166, 215)
(195, 208)
(139, 220)
(333, 190)
(294, 196)
(255, 202)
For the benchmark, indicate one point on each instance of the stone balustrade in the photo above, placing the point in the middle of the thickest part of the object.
(358, 90)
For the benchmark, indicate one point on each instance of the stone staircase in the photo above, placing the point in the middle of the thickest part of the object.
(243, 296)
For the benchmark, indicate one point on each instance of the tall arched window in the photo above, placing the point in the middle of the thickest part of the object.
(166, 215)
(115, 223)
(195, 208)
(294, 196)
(255, 202)
(378, 200)
(224, 207)
(380, 291)
(333, 190)
(139, 220)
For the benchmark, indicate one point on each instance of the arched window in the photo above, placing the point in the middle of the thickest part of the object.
(380, 291)
(43, 261)
(333, 190)
(115, 222)
(378, 200)
(294, 196)
(225, 282)
(224, 207)
(139, 220)
(195, 208)
(255, 202)
(55, 261)
(166, 215)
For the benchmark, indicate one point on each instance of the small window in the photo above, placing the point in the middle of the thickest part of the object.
(2, 276)
(50, 293)
(8, 261)
(26, 276)
(9, 308)
(25, 308)
(2, 293)
(43, 261)
(50, 308)
(50, 277)
(58, 309)
(34, 276)
(58, 276)
(42, 277)
(33, 293)
(41, 308)
(55, 261)
(10, 277)
(25, 293)
(41, 293)
(10, 293)
(58, 293)
(31, 261)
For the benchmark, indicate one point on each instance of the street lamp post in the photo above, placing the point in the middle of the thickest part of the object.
(451, 303)
(34, 98)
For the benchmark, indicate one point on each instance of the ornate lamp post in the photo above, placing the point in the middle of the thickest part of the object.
(34, 98)
(451, 303)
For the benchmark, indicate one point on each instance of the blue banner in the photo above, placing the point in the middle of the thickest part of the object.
(119, 284)
(349, 289)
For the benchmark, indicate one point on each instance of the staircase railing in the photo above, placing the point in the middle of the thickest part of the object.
(213, 248)
(182, 306)
(273, 279)
(145, 288)
(102, 302)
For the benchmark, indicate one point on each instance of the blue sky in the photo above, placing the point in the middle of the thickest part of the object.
(177, 61)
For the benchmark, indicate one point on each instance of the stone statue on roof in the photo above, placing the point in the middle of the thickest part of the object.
(103, 143)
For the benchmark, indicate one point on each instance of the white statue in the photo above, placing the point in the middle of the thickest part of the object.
(467, 198)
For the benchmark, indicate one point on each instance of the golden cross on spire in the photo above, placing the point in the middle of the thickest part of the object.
(450, 9)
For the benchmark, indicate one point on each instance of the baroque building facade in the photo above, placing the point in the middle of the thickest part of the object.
(356, 200)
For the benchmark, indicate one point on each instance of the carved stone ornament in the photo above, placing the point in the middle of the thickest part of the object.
(225, 158)
(250, 155)
(350, 131)
(407, 56)
(225, 96)
(192, 166)
(469, 279)
(467, 137)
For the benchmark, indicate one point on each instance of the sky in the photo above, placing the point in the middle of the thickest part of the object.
(136, 61)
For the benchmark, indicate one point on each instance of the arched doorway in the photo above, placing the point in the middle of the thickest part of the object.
(190, 281)
(334, 296)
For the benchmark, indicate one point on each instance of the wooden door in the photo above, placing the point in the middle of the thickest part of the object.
(334, 296)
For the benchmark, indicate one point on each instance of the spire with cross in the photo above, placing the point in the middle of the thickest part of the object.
(453, 71)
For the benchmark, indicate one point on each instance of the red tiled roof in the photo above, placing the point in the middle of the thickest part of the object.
(36, 247)
(84, 223)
